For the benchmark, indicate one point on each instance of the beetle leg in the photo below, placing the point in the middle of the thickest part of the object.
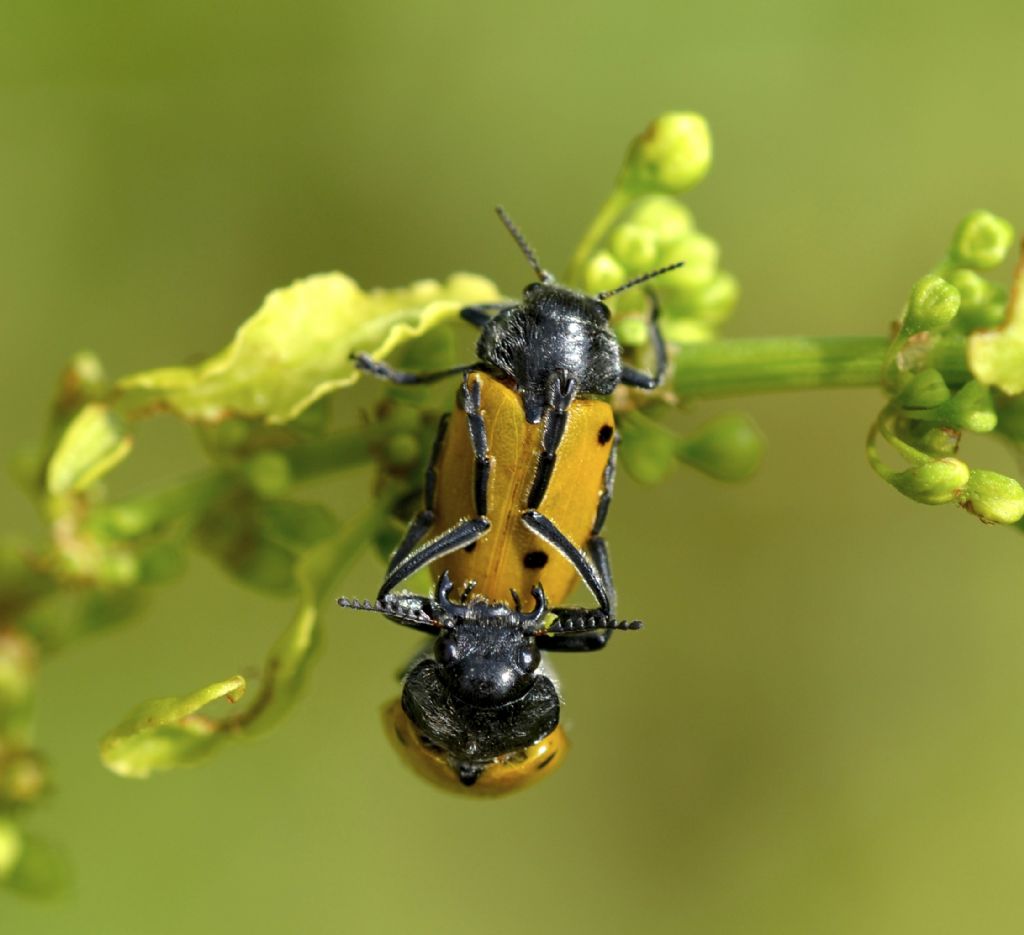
(425, 518)
(630, 376)
(556, 417)
(550, 533)
(385, 371)
(470, 395)
(607, 488)
(479, 315)
(458, 537)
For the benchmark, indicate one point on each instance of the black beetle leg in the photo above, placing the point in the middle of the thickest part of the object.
(479, 315)
(470, 395)
(384, 371)
(425, 518)
(556, 416)
(630, 376)
(458, 537)
(550, 533)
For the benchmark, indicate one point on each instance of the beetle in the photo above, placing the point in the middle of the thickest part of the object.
(521, 474)
(480, 712)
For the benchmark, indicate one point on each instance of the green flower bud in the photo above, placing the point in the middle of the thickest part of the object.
(403, 450)
(633, 331)
(993, 498)
(933, 483)
(19, 663)
(715, 303)
(730, 447)
(11, 846)
(981, 241)
(117, 568)
(671, 155)
(83, 380)
(664, 217)
(603, 273)
(685, 331)
(700, 253)
(648, 449)
(974, 290)
(228, 434)
(970, 408)
(933, 305)
(161, 563)
(268, 473)
(23, 777)
(925, 390)
(635, 247)
(939, 441)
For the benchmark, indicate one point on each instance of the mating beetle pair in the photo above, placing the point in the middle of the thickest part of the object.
(521, 474)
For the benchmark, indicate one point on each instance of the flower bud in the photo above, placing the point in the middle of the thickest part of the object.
(11, 846)
(933, 305)
(993, 498)
(925, 390)
(402, 450)
(981, 241)
(715, 303)
(603, 273)
(648, 449)
(939, 441)
(700, 254)
(664, 217)
(268, 473)
(730, 447)
(632, 331)
(970, 408)
(635, 247)
(933, 483)
(670, 156)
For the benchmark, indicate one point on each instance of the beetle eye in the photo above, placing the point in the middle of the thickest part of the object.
(531, 289)
(529, 658)
(603, 309)
(445, 651)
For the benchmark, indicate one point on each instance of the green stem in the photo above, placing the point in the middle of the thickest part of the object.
(616, 203)
(761, 365)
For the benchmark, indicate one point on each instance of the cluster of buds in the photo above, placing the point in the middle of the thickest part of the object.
(934, 398)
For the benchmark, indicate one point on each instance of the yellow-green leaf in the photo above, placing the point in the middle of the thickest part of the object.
(95, 441)
(298, 346)
(167, 732)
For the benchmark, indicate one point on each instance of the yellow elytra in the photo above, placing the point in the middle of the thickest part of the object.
(510, 555)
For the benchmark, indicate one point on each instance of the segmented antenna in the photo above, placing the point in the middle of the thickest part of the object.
(390, 610)
(542, 274)
(636, 280)
(588, 624)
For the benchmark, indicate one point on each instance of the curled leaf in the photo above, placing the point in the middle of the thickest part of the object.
(167, 732)
(96, 441)
(297, 348)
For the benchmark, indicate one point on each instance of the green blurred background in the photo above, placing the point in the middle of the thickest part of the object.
(820, 730)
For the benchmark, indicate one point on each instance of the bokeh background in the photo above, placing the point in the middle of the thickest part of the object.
(820, 730)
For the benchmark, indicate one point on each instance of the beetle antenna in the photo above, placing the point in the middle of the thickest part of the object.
(542, 274)
(405, 613)
(567, 625)
(636, 280)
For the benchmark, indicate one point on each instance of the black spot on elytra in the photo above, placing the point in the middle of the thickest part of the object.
(536, 559)
(604, 434)
(470, 547)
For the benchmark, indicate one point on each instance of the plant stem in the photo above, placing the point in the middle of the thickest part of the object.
(759, 365)
(616, 203)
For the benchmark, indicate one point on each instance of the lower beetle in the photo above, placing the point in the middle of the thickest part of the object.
(479, 712)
